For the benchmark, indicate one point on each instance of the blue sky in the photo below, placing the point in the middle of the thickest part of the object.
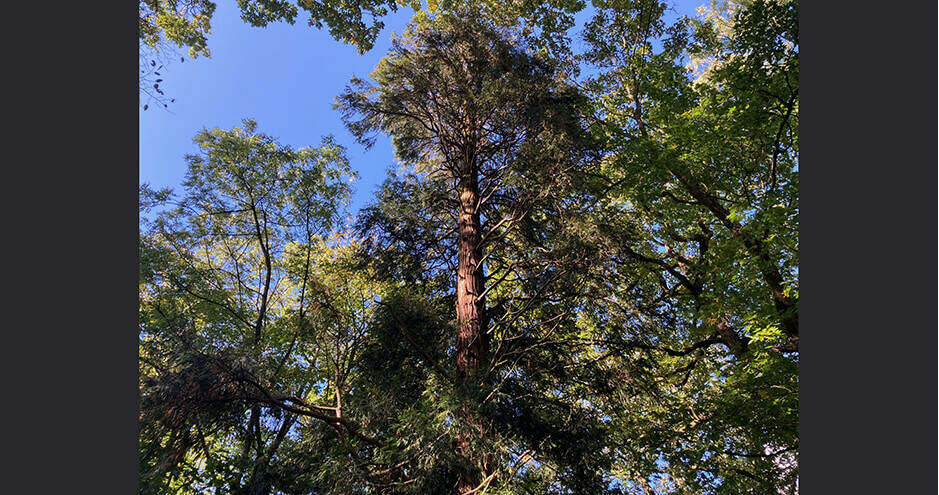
(285, 77)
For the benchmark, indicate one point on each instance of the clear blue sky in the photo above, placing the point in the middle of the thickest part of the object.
(283, 76)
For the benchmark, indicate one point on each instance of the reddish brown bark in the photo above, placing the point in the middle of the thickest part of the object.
(472, 342)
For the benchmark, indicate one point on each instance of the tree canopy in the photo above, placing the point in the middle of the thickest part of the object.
(572, 283)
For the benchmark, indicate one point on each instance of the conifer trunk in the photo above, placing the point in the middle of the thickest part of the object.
(471, 344)
(472, 340)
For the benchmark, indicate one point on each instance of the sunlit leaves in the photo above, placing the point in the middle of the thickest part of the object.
(709, 166)
(234, 274)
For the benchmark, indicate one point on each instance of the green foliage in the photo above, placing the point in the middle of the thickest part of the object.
(447, 78)
(704, 171)
(232, 308)
(185, 23)
(164, 24)
(357, 23)
(640, 245)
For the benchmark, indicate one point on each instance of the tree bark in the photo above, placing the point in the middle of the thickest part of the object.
(472, 343)
(785, 306)
(472, 340)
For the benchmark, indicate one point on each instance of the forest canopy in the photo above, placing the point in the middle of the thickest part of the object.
(582, 278)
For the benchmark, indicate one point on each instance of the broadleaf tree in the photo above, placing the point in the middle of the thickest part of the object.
(570, 285)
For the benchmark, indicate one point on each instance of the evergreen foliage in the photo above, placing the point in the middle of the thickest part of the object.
(573, 284)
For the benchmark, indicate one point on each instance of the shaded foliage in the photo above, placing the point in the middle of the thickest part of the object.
(634, 236)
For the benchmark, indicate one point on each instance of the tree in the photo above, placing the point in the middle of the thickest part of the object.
(703, 204)
(493, 131)
(239, 328)
(165, 25)
(570, 286)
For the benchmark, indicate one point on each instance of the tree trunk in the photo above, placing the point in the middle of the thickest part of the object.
(472, 342)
